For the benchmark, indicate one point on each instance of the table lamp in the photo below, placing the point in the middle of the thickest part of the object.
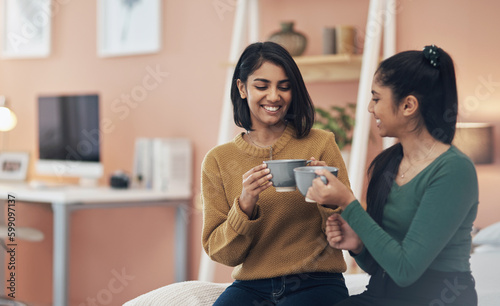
(8, 119)
(476, 141)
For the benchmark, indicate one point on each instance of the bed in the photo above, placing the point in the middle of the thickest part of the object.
(484, 260)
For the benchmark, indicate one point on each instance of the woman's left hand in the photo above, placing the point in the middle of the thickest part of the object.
(315, 162)
(334, 193)
(341, 236)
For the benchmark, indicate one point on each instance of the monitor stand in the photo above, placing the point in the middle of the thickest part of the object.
(88, 182)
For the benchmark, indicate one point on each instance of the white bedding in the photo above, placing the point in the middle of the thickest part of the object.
(484, 264)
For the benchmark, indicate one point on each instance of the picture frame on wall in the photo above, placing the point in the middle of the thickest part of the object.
(13, 166)
(25, 28)
(128, 27)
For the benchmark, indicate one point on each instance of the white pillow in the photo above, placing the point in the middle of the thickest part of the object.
(488, 235)
(188, 293)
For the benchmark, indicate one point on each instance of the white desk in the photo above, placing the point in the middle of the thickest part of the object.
(65, 199)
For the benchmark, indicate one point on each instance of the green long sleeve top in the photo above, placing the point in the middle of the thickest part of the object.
(427, 222)
(286, 234)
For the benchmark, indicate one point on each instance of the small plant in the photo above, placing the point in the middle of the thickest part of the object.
(339, 120)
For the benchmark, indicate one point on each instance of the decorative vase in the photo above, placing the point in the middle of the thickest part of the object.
(345, 39)
(294, 42)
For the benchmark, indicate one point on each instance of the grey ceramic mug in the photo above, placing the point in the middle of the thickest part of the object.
(282, 170)
(305, 175)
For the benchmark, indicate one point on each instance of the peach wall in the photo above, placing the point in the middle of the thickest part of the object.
(187, 103)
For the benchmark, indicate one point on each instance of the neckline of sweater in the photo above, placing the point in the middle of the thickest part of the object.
(264, 152)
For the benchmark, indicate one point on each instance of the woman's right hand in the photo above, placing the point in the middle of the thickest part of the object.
(255, 181)
(341, 236)
(332, 194)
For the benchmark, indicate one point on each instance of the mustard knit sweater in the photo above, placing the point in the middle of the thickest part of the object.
(285, 234)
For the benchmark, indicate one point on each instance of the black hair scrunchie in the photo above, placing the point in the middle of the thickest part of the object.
(431, 53)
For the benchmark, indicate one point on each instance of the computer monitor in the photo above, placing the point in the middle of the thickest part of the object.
(68, 137)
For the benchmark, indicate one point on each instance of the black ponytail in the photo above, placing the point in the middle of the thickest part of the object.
(441, 119)
(382, 173)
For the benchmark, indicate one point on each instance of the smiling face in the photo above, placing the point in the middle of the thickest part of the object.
(268, 93)
(388, 117)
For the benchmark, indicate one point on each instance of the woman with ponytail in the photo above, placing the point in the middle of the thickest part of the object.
(415, 236)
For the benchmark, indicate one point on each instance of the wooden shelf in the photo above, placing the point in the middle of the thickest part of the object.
(328, 68)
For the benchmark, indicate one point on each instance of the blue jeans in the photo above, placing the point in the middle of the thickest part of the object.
(316, 288)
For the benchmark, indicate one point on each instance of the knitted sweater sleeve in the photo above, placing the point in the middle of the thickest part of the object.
(227, 230)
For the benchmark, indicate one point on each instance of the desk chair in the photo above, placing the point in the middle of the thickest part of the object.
(22, 233)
